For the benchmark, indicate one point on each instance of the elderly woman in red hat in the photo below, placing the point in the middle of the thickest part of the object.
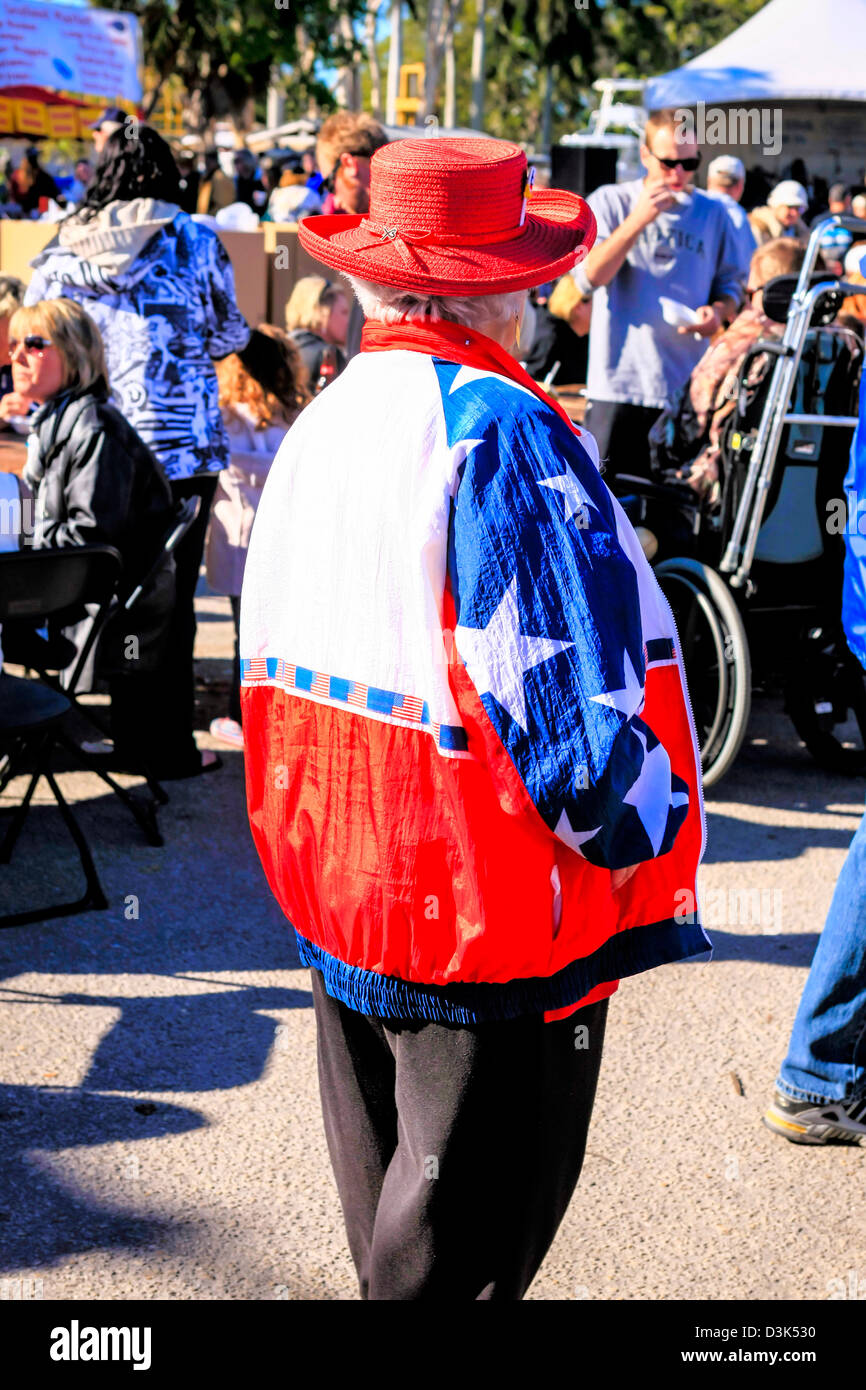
(472, 774)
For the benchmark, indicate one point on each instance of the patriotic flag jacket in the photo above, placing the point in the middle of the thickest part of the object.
(464, 705)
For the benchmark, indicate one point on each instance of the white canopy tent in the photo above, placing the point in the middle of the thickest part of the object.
(808, 50)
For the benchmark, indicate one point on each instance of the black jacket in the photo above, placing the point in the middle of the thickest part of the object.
(556, 341)
(311, 349)
(96, 482)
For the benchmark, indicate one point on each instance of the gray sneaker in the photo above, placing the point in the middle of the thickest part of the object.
(803, 1122)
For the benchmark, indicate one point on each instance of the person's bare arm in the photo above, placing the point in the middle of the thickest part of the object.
(603, 263)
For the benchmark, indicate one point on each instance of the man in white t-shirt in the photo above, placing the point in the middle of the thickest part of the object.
(657, 238)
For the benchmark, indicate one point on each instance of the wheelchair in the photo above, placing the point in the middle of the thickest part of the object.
(754, 578)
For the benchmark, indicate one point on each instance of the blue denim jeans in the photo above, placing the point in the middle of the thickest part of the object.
(826, 1058)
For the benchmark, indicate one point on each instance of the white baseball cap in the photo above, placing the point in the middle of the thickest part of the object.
(729, 165)
(788, 194)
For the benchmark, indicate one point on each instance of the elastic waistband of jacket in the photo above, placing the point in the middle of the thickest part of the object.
(385, 996)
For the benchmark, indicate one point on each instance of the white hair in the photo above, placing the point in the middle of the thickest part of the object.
(390, 305)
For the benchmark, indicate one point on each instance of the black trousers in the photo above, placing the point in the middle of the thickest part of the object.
(621, 432)
(456, 1149)
(166, 700)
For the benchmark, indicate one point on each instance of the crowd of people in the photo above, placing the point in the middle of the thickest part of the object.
(663, 242)
(207, 399)
(472, 856)
(235, 187)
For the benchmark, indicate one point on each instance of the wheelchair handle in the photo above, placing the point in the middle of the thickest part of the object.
(737, 559)
(740, 550)
(772, 347)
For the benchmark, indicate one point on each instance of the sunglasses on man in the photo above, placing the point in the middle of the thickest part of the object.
(331, 181)
(34, 342)
(689, 165)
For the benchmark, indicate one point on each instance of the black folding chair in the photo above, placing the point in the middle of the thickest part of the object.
(185, 514)
(144, 811)
(42, 584)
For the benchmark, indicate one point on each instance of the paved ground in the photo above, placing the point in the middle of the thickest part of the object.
(159, 1114)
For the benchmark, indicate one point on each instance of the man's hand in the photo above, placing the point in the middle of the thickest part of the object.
(654, 197)
(606, 259)
(709, 321)
(13, 404)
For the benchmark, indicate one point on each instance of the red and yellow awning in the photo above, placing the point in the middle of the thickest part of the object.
(37, 112)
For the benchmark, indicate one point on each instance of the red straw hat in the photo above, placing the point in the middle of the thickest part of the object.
(454, 216)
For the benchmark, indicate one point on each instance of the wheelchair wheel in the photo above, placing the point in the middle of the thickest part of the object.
(826, 702)
(716, 656)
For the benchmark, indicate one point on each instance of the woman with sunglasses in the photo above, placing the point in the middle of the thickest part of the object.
(657, 237)
(95, 482)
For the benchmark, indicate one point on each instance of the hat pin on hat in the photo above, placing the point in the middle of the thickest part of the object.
(401, 238)
(527, 191)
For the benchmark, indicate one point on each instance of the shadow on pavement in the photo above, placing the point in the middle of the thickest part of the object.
(200, 903)
(795, 948)
(198, 907)
(42, 1219)
(732, 839)
(774, 768)
(199, 1042)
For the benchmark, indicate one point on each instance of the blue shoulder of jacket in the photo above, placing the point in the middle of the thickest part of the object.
(479, 404)
(479, 396)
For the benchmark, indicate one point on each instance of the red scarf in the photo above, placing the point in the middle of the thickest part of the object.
(455, 343)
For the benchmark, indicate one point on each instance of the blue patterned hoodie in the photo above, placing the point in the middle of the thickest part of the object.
(161, 288)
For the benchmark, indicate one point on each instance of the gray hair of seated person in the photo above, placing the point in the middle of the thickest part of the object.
(477, 311)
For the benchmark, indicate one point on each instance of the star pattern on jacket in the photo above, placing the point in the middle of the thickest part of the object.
(575, 496)
(483, 650)
(548, 623)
